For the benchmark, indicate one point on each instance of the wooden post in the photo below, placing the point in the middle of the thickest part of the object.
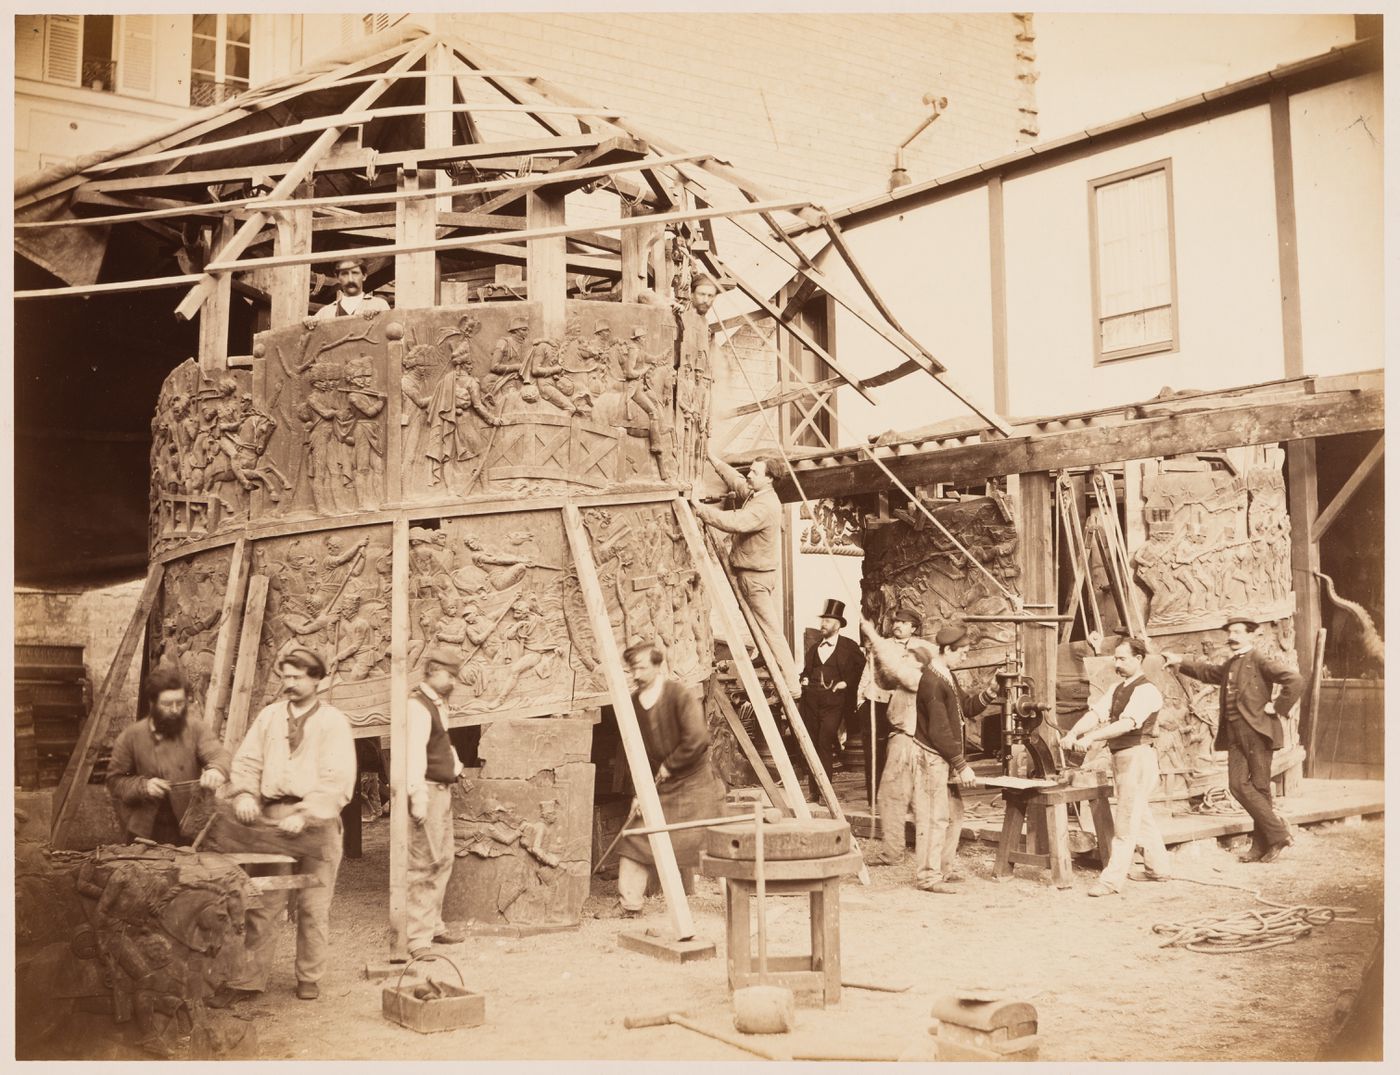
(75, 775)
(751, 754)
(1302, 515)
(398, 746)
(221, 676)
(415, 274)
(634, 257)
(291, 284)
(662, 853)
(1134, 530)
(1035, 520)
(214, 314)
(546, 271)
(240, 702)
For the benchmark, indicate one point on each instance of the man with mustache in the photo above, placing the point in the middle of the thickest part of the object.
(1250, 727)
(168, 748)
(433, 768)
(296, 771)
(1126, 718)
(350, 298)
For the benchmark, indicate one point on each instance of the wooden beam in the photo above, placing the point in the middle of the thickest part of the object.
(746, 745)
(241, 700)
(546, 274)
(996, 244)
(1285, 209)
(230, 622)
(415, 272)
(487, 156)
(1035, 525)
(634, 263)
(1325, 413)
(633, 746)
(620, 154)
(1328, 515)
(471, 241)
(197, 296)
(69, 795)
(398, 743)
(1307, 615)
(291, 285)
(214, 315)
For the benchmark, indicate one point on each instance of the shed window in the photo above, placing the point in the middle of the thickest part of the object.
(1134, 262)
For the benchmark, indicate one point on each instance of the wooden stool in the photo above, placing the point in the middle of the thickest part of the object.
(820, 879)
(1043, 813)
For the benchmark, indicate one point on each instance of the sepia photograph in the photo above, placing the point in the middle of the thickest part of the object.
(588, 537)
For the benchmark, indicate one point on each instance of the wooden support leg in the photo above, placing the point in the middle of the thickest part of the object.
(1061, 868)
(826, 925)
(1103, 827)
(1010, 833)
(736, 921)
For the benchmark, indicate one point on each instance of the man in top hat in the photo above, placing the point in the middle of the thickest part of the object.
(830, 675)
(1250, 727)
(940, 766)
(433, 768)
(350, 297)
(295, 770)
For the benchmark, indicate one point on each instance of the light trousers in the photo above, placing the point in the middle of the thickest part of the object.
(432, 848)
(1135, 779)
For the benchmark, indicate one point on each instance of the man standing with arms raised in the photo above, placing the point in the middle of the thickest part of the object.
(1250, 728)
(757, 527)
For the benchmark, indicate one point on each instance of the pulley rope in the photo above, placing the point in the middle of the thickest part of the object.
(1247, 930)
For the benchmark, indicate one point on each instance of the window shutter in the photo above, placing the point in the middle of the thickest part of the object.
(136, 55)
(29, 46)
(63, 49)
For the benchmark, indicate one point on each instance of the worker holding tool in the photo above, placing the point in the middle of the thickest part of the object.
(940, 766)
(1126, 718)
(1250, 726)
(677, 743)
(757, 527)
(153, 759)
(433, 768)
(893, 703)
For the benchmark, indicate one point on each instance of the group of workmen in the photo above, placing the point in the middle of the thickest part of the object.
(295, 769)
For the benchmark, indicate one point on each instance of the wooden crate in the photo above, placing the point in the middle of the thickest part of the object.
(456, 1009)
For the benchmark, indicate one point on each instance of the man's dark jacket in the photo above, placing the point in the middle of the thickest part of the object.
(1254, 685)
(845, 665)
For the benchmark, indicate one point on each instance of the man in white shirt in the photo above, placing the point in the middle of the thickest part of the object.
(350, 299)
(295, 769)
(1126, 718)
(433, 768)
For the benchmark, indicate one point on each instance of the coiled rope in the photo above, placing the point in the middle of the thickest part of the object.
(1249, 931)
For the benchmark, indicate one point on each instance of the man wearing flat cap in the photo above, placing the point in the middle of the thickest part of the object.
(885, 690)
(1250, 727)
(940, 766)
(433, 768)
(350, 298)
(295, 770)
(830, 675)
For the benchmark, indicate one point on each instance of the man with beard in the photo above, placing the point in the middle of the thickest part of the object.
(433, 767)
(830, 676)
(350, 299)
(1250, 727)
(151, 756)
(1126, 718)
(296, 771)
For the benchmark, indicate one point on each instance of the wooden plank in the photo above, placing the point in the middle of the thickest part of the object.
(546, 275)
(240, 702)
(755, 760)
(1335, 506)
(291, 285)
(487, 156)
(1290, 288)
(439, 125)
(92, 738)
(726, 604)
(1301, 466)
(284, 882)
(398, 744)
(1035, 526)
(633, 746)
(1321, 414)
(996, 251)
(230, 621)
(471, 241)
(1312, 713)
(289, 182)
(634, 258)
(415, 273)
(621, 154)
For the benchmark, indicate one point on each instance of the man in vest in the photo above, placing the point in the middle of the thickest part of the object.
(350, 298)
(433, 768)
(1250, 727)
(1126, 718)
(830, 676)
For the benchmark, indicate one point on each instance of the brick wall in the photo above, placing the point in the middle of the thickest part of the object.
(813, 103)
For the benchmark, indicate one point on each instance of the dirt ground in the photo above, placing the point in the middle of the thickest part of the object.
(1103, 987)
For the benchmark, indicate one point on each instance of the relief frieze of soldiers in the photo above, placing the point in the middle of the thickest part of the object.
(1218, 541)
(186, 627)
